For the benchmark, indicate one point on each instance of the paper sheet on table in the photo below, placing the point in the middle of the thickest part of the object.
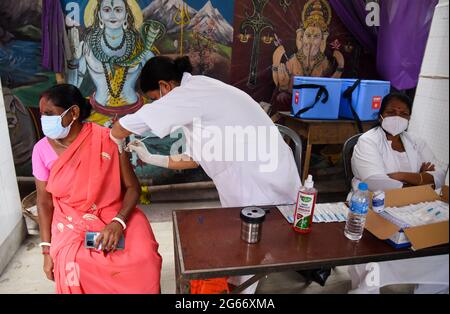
(323, 213)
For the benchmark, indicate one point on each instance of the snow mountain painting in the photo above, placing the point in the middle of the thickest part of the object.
(200, 29)
(204, 19)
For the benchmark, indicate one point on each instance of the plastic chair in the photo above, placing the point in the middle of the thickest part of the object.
(295, 138)
(347, 153)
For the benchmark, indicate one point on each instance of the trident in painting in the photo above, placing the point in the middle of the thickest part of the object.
(182, 18)
(257, 23)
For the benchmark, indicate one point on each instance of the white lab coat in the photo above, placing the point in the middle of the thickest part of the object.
(373, 159)
(220, 106)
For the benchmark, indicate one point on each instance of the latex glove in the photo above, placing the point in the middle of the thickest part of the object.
(120, 142)
(144, 155)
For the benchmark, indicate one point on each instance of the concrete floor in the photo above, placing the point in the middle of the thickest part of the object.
(24, 273)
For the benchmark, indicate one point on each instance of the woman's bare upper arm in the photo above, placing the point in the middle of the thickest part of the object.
(43, 196)
(127, 175)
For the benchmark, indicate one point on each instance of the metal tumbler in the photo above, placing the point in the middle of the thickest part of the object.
(252, 219)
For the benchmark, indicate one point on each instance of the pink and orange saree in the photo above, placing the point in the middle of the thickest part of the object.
(86, 188)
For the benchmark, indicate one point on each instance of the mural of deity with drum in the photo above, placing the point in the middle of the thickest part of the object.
(111, 40)
(116, 44)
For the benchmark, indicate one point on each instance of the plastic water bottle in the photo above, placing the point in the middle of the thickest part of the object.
(358, 212)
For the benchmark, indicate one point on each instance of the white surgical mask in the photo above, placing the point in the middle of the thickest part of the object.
(395, 125)
(53, 128)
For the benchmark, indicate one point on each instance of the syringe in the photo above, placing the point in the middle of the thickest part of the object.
(127, 149)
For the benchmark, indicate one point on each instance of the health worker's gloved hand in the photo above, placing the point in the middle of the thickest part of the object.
(144, 155)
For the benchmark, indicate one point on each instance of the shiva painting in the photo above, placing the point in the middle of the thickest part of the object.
(115, 46)
(111, 40)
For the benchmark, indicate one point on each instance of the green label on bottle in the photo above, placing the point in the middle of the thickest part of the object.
(304, 223)
(303, 212)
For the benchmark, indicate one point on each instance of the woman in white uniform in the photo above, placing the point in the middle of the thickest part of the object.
(227, 133)
(387, 157)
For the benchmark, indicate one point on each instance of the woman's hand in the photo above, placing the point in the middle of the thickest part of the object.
(48, 267)
(427, 167)
(140, 149)
(397, 176)
(109, 237)
(144, 155)
(414, 178)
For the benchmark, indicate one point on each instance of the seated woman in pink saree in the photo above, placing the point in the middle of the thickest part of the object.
(85, 185)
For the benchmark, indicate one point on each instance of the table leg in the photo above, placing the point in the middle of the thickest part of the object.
(182, 285)
(248, 283)
(177, 263)
(185, 286)
(307, 162)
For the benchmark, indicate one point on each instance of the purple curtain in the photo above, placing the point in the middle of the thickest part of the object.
(353, 14)
(399, 43)
(53, 29)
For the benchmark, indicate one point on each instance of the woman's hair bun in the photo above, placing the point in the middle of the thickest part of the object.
(183, 64)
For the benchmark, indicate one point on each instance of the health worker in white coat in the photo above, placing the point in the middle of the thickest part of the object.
(227, 133)
(388, 157)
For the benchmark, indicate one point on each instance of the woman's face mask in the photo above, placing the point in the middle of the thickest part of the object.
(395, 125)
(53, 128)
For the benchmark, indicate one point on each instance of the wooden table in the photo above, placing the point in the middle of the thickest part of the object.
(207, 244)
(318, 132)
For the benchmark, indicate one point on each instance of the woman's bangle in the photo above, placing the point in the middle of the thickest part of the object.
(421, 179)
(121, 216)
(121, 222)
(42, 244)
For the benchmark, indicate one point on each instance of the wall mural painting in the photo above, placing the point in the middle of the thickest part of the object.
(279, 39)
(115, 38)
(201, 29)
(22, 76)
(115, 45)
(256, 45)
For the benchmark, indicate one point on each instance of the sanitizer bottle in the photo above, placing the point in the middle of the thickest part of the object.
(304, 210)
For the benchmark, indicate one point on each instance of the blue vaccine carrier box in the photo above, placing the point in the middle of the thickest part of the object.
(366, 99)
(316, 98)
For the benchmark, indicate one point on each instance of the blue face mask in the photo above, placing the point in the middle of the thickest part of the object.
(53, 128)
